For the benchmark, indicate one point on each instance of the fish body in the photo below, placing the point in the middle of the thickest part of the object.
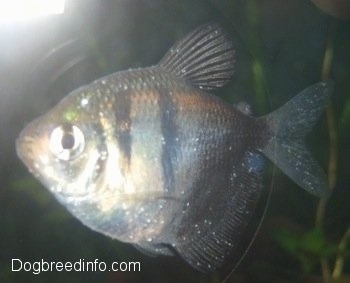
(148, 157)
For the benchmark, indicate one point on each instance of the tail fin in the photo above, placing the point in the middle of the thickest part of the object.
(288, 125)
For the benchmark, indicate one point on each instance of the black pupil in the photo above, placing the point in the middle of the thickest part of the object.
(67, 141)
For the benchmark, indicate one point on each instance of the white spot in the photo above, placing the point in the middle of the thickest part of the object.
(84, 102)
(103, 155)
(44, 159)
(57, 189)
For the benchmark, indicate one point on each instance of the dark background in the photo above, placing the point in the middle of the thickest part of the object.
(281, 47)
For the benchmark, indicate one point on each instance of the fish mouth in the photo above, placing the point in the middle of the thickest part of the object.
(29, 146)
(33, 140)
(24, 149)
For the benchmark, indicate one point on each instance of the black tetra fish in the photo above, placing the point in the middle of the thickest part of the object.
(148, 157)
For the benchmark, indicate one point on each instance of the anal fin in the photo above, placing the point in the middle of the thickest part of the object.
(206, 251)
(153, 249)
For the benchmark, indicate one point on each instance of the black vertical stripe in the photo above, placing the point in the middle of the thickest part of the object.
(169, 133)
(123, 124)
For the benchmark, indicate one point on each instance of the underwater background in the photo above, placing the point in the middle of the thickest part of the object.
(282, 46)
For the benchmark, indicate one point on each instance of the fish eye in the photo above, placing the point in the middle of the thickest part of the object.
(66, 142)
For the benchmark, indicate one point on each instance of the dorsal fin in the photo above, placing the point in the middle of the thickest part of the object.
(205, 57)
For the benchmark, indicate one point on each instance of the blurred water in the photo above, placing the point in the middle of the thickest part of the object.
(280, 49)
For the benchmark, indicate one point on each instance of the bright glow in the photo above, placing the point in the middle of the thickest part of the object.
(13, 10)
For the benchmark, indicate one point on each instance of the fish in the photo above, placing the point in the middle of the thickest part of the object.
(149, 157)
